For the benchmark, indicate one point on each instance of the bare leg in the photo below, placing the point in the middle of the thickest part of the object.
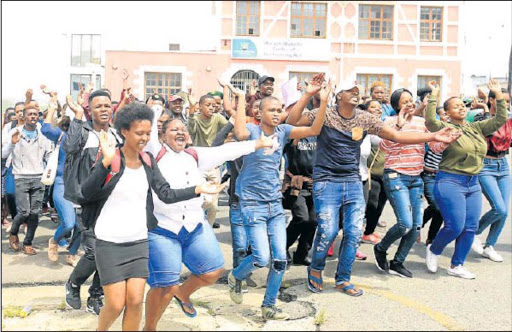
(134, 297)
(115, 295)
(194, 282)
(157, 301)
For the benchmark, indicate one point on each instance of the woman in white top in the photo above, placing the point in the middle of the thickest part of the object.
(183, 235)
(120, 208)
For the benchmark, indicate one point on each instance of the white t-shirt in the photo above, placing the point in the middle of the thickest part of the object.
(123, 217)
(366, 149)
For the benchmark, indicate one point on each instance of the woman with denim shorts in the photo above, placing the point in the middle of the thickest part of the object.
(118, 204)
(457, 190)
(495, 182)
(183, 235)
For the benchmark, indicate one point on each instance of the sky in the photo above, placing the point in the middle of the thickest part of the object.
(33, 35)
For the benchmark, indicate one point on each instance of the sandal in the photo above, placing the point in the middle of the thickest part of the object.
(319, 281)
(349, 287)
(14, 242)
(189, 306)
(28, 250)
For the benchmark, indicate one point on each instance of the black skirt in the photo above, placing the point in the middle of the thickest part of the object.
(120, 261)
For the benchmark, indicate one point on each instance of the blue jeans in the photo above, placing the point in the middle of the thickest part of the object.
(265, 224)
(459, 198)
(238, 235)
(495, 182)
(405, 193)
(198, 250)
(67, 215)
(328, 198)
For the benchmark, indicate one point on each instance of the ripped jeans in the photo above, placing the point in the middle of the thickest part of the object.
(265, 225)
(328, 197)
(405, 193)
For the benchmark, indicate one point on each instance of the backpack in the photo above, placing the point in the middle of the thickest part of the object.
(115, 165)
(190, 151)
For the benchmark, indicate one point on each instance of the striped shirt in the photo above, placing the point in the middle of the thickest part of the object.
(405, 158)
(432, 160)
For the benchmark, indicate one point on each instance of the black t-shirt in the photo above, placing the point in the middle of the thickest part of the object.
(301, 158)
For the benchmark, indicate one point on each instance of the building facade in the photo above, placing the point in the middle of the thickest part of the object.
(402, 43)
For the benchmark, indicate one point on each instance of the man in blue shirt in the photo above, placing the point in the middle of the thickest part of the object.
(259, 190)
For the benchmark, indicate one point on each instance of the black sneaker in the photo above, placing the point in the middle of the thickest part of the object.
(380, 259)
(398, 269)
(216, 225)
(306, 261)
(73, 296)
(94, 305)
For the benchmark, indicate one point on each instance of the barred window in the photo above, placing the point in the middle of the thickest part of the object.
(165, 84)
(366, 80)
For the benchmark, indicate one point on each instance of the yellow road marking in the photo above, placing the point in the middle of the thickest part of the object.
(439, 317)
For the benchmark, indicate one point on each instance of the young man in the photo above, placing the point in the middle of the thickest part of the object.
(81, 147)
(175, 104)
(337, 182)
(259, 190)
(30, 150)
(265, 87)
(203, 128)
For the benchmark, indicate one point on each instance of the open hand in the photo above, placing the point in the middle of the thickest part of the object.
(325, 91)
(265, 141)
(447, 135)
(90, 87)
(74, 106)
(477, 103)
(108, 149)
(494, 86)
(208, 188)
(16, 137)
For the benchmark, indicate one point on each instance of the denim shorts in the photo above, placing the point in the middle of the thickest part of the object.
(198, 250)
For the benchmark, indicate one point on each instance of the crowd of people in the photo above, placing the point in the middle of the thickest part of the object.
(135, 184)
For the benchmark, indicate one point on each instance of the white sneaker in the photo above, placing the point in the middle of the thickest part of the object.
(431, 260)
(460, 271)
(477, 246)
(490, 253)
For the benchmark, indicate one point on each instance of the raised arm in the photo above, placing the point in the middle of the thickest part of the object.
(52, 133)
(226, 101)
(316, 127)
(241, 131)
(223, 133)
(431, 122)
(295, 117)
(491, 125)
(192, 124)
(74, 134)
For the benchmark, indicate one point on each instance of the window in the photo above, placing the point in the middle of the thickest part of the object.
(85, 49)
(84, 79)
(375, 22)
(301, 76)
(243, 79)
(366, 80)
(165, 84)
(424, 79)
(431, 23)
(247, 18)
(308, 19)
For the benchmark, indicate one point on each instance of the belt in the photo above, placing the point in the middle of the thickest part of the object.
(497, 154)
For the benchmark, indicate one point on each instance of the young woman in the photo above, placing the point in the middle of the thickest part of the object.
(403, 183)
(457, 191)
(183, 235)
(65, 208)
(495, 181)
(119, 206)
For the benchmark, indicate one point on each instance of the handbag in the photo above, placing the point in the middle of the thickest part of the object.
(51, 166)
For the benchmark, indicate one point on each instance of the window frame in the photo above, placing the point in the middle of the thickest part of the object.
(381, 19)
(93, 38)
(314, 17)
(247, 15)
(301, 75)
(379, 78)
(430, 21)
(164, 90)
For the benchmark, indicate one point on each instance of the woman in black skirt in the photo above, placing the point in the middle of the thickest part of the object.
(120, 206)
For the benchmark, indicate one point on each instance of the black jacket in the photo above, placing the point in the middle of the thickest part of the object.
(80, 157)
(95, 192)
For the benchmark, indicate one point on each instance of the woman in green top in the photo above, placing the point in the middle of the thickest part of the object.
(457, 190)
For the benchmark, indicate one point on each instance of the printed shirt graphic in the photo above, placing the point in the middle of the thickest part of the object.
(339, 142)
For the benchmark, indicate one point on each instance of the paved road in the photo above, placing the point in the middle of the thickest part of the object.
(426, 302)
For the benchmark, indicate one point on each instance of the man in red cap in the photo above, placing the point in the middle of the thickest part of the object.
(175, 104)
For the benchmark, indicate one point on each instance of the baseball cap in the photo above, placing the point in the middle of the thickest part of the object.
(349, 85)
(175, 97)
(264, 78)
